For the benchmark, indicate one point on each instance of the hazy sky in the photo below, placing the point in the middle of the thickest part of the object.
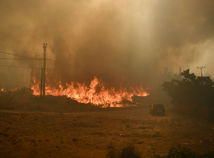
(128, 41)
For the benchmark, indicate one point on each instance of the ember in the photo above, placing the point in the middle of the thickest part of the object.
(94, 93)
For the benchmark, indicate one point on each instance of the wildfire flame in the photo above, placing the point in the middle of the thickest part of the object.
(95, 93)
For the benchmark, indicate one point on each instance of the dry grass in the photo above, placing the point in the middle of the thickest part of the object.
(88, 134)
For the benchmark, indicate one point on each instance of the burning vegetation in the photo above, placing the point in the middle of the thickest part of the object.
(95, 93)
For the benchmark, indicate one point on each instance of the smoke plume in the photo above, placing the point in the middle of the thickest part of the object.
(120, 42)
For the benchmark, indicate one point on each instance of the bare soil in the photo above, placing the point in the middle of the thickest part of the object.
(88, 134)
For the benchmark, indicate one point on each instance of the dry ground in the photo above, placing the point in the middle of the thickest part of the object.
(88, 134)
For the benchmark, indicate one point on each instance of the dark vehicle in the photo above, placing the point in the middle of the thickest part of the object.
(157, 110)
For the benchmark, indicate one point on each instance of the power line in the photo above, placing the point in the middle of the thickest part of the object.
(15, 66)
(40, 59)
(23, 67)
(11, 53)
(20, 57)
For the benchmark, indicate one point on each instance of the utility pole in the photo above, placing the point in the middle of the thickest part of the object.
(201, 68)
(43, 73)
(180, 71)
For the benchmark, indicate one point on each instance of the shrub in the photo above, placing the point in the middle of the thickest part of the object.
(126, 152)
(181, 152)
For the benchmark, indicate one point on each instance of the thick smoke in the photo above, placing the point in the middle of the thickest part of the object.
(121, 42)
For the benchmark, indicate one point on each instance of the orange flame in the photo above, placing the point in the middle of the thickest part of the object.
(90, 94)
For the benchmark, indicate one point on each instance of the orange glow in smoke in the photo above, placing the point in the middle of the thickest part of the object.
(95, 93)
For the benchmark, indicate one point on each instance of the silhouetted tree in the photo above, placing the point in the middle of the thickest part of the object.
(191, 90)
